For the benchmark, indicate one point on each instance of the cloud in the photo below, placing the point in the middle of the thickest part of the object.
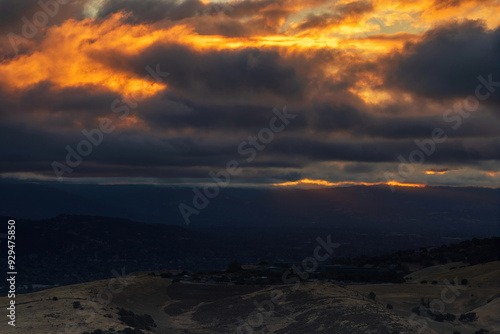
(448, 60)
(148, 11)
(223, 73)
(364, 84)
(344, 13)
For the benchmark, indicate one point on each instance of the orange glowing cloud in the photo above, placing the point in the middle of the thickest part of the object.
(69, 54)
(66, 57)
(323, 183)
(439, 172)
(422, 14)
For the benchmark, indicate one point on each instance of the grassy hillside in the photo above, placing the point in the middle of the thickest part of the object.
(480, 295)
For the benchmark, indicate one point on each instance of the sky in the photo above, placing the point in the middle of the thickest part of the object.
(269, 92)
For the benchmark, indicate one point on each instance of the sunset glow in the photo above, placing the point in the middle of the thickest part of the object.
(369, 81)
(248, 142)
(434, 172)
(323, 183)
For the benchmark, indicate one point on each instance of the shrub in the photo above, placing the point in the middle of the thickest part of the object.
(468, 317)
(77, 305)
(464, 281)
(137, 321)
(416, 310)
(372, 295)
(54, 298)
(481, 331)
(131, 331)
(234, 267)
(443, 317)
(423, 282)
(389, 306)
(434, 282)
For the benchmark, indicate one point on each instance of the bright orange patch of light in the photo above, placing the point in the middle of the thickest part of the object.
(324, 183)
(73, 55)
(432, 172)
(399, 184)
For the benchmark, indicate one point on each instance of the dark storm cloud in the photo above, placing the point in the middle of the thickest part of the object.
(214, 74)
(18, 17)
(358, 123)
(84, 99)
(153, 10)
(357, 168)
(12, 9)
(56, 108)
(157, 10)
(219, 18)
(167, 114)
(138, 153)
(341, 14)
(344, 117)
(384, 150)
(448, 61)
(129, 152)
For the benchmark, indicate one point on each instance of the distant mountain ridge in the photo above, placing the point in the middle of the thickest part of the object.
(467, 210)
(81, 248)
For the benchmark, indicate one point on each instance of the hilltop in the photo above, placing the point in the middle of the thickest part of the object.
(149, 303)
